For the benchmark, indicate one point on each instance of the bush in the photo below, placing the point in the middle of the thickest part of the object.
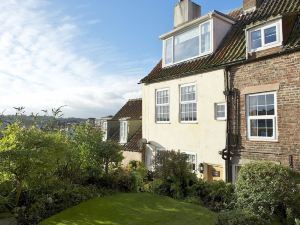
(41, 204)
(239, 218)
(266, 189)
(216, 195)
(173, 169)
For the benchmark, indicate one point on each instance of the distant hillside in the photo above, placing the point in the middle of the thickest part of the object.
(40, 120)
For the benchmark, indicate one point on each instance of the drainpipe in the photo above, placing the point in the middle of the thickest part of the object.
(227, 152)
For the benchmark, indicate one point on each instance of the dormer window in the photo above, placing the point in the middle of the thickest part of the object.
(187, 45)
(265, 36)
(123, 131)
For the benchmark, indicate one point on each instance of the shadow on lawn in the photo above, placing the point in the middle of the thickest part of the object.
(133, 209)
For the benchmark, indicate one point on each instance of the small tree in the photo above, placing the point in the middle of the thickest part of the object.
(27, 155)
(93, 151)
(109, 154)
(265, 189)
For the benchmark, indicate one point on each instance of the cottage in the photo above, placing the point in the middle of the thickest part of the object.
(227, 90)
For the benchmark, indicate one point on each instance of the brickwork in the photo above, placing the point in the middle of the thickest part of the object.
(285, 70)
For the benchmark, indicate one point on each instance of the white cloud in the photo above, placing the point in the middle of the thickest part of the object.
(43, 64)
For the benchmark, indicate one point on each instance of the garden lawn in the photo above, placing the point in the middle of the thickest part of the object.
(133, 209)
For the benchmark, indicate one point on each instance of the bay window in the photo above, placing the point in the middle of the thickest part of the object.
(162, 106)
(261, 116)
(190, 44)
(188, 103)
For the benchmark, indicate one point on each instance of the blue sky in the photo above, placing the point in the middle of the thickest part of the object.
(86, 54)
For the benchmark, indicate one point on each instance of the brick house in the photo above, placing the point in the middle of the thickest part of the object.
(259, 56)
(125, 128)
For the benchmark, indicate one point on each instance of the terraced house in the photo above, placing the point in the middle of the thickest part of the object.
(227, 90)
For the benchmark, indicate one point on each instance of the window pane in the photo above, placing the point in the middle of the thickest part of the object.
(270, 35)
(253, 101)
(262, 132)
(186, 45)
(270, 110)
(270, 99)
(270, 132)
(261, 110)
(253, 127)
(256, 39)
(261, 100)
(262, 123)
(205, 38)
(168, 51)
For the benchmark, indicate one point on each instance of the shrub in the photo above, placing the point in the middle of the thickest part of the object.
(175, 172)
(41, 204)
(239, 218)
(216, 195)
(265, 189)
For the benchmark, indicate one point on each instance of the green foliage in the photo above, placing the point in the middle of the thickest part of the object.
(27, 155)
(93, 152)
(239, 218)
(175, 172)
(265, 189)
(44, 203)
(216, 195)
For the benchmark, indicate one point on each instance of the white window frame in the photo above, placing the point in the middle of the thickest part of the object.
(196, 160)
(188, 102)
(163, 104)
(104, 130)
(164, 51)
(200, 54)
(262, 28)
(123, 136)
(274, 117)
(216, 112)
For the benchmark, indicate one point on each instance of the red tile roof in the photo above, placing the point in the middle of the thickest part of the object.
(233, 47)
(132, 144)
(132, 110)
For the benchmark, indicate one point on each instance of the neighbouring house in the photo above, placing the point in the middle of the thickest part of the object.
(243, 65)
(126, 129)
(264, 99)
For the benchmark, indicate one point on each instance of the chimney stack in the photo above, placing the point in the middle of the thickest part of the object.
(251, 5)
(185, 11)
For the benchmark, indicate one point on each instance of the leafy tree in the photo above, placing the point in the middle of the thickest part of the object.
(109, 154)
(27, 155)
(93, 151)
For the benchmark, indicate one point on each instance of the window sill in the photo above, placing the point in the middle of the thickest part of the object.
(262, 140)
(163, 122)
(266, 47)
(221, 119)
(188, 122)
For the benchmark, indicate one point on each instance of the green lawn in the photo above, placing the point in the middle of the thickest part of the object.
(133, 209)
